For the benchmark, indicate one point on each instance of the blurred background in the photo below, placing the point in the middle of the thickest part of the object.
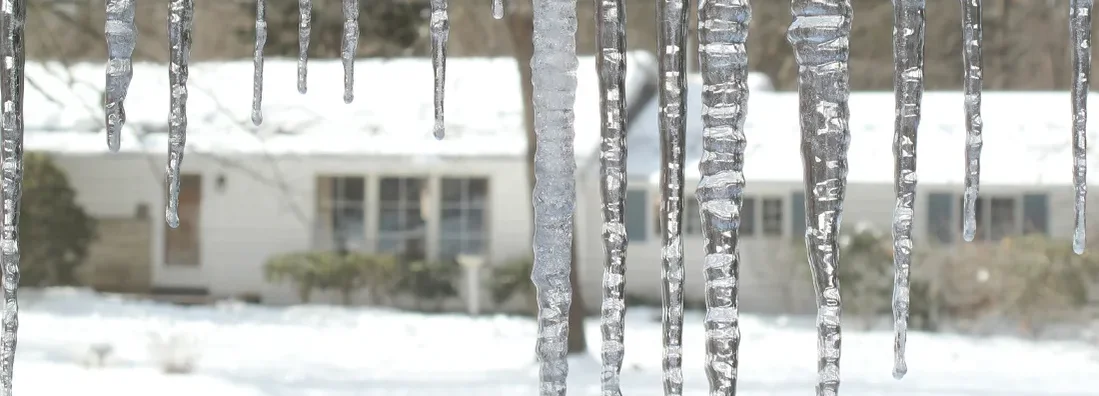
(339, 249)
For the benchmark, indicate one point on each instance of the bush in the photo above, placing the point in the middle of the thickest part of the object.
(55, 231)
(346, 273)
(428, 281)
(513, 280)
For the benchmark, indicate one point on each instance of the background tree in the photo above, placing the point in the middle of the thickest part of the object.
(56, 232)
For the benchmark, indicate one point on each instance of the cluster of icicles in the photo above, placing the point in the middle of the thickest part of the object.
(819, 34)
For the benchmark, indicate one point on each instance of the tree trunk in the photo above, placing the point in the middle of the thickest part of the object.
(521, 25)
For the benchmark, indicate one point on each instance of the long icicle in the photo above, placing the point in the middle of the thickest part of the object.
(553, 78)
(440, 33)
(971, 83)
(908, 39)
(498, 9)
(180, 15)
(257, 62)
(11, 79)
(121, 34)
(672, 42)
(305, 21)
(610, 31)
(348, 45)
(1080, 36)
(820, 34)
(722, 34)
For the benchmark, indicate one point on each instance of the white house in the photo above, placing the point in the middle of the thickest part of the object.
(372, 170)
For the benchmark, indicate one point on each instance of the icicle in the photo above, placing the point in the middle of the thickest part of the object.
(908, 38)
(498, 9)
(257, 61)
(11, 80)
(971, 62)
(820, 34)
(440, 33)
(121, 36)
(348, 47)
(553, 78)
(722, 33)
(1080, 35)
(610, 26)
(180, 14)
(305, 18)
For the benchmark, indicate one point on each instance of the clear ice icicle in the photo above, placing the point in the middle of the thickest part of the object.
(257, 61)
(1080, 36)
(722, 34)
(553, 78)
(180, 16)
(440, 33)
(498, 9)
(820, 34)
(348, 46)
(672, 40)
(305, 20)
(971, 84)
(13, 17)
(610, 26)
(121, 36)
(908, 39)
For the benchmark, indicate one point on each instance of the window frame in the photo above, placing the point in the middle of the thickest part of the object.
(465, 206)
(402, 207)
(331, 204)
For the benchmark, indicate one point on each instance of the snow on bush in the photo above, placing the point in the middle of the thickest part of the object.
(174, 352)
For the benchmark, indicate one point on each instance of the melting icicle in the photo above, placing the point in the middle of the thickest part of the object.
(672, 40)
(305, 19)
(908, 38)
(180, 14)
(722, 33)
(440, 33)
(820, 34)
(121, 36)
(553, 78)
(498, 9)
(1080, 35)
(11, 80)
(257, 61)
(348, 46)
(610, 29)
(971, 62)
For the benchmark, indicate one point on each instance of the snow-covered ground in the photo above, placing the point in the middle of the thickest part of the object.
(313, 351)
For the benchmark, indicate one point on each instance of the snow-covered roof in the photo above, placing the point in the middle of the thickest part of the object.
(391, 115)
(1026, 138)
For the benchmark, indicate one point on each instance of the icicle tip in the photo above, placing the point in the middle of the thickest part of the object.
(348, 97)
(257, 118)
(439, 130)
(900, 369)
(1079, 244)
(172, 217)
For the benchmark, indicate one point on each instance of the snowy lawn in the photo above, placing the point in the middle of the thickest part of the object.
(315, 350)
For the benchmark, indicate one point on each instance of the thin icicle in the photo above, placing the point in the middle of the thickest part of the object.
(121, 36)
(820, 34)
(180, 14)
(13, 17)
(610, 30)
(348, 47)
(440, 33)
(908, 39)
(553, 78)
(1080, 36)
(723, 61)
(498, 9)
(971, 62)
(305, 19)
(672, 44)
(257, 61)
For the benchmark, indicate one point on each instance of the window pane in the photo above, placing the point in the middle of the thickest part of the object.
(473, 246)
(348, 222)
(353, 188)
(1036, 214)
(449, 248)
(412, 190)
(452, 191)
(748, 217)
(636, 206)
(413, 220)
(451, 223)
(478, 192)
(475, 220)
(772, 216)
(692, 221)
(939, 210)
(389, 190)
(797, 215)
(1002, 218)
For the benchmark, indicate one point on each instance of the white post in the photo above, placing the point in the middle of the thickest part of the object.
(472, 264)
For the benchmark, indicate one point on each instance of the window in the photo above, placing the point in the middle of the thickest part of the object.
(341, 213)
(772, 216)
(401, 227)
(997, 217)
(635, 215)
(181, 244)
(750, 217)
(692, 220)
(797, 215)
(462, 227)
(940, 209)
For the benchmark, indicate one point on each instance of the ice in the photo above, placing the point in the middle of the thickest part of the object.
(908, 44)
(305, 19)
(611, 61)
(440, 33)
(257, 61)
(820, 34)
(971, 83)
(121, 36)
(180, 16)
(13, 17)
(723, 62)
(348, 46)
(672, 15)
(498, 9)
(553, 78)
(1080, 37)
